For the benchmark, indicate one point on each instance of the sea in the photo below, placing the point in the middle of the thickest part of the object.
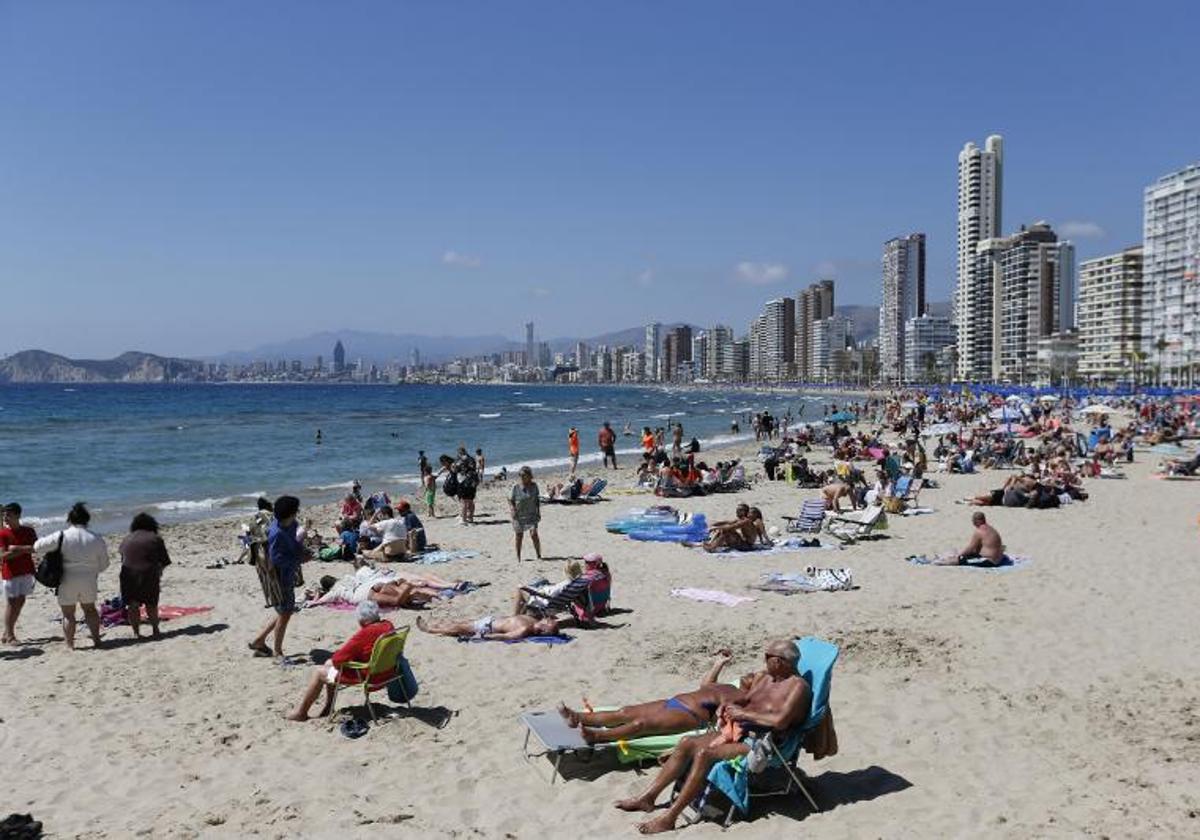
(186, 452)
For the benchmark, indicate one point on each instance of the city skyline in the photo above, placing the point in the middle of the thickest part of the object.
(442, 163)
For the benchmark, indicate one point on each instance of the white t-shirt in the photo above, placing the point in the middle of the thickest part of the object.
(392, 530)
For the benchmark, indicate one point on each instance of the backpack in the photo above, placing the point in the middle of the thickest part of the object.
(450, 485)
(49, 571)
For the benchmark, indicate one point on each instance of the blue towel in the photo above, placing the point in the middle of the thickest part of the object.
(1011, 562)
(541, 640)
(431, 557)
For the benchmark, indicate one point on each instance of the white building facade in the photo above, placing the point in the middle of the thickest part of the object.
(903, 298)
(980, 193)
(1171, 272)
(1109, 315)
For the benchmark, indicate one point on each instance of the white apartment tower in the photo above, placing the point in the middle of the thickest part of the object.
(719, 362)
(980, 183)
(778, 352)
(653, 343)
(925, 339)
(1110, 315)
(903, 299)
(1171, 272)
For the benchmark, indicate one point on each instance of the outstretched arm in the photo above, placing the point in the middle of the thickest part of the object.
(724, 657)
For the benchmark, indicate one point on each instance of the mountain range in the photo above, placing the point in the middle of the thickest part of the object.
(40, 366)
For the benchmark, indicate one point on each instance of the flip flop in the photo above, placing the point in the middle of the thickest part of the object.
(259, 650)
(354, 728)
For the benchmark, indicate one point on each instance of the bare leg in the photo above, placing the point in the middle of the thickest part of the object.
(152, 617)
(12, 612)
(133, 613)
(537, 543)
(315, 683)
(697, 777)
(393, 595)
(675, 767)
(260, 641)
(520, 598)
(93, 622)
(281, 624)
(69, 625)
(517, 543)
(446, 628)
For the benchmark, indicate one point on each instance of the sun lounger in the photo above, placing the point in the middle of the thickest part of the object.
(858, 525)
(810, 518)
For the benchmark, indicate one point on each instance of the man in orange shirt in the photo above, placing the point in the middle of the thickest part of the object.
(357, 649)
(573, 448)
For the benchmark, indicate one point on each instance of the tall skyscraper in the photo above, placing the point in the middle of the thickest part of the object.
(828, 356)
(677, 349)
(777, 353)
(1171, 320)
(339, 358)
(903, 299)
(741, 359)
(530, 348)
(719, 365)
(980, 190)
(1110, 315)
(700, 355)
(925, 338)
(812, 304)
(582, 360)
(653, 343)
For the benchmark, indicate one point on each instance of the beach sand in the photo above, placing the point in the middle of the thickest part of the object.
(1057, 699)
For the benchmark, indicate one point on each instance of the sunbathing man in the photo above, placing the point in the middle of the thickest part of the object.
(742, 534)
(777, 700)
(985, 545)
(507, 629)
(681, 713)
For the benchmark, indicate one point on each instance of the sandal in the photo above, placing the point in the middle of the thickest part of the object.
(260, 650)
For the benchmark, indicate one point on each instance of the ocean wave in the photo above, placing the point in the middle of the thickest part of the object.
(669, 414)
(531, 405)
(489, 416)
(38, 522)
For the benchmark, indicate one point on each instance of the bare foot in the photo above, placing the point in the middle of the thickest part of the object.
(572, 718)
(638, 803)
(299, 718)
(657, 825)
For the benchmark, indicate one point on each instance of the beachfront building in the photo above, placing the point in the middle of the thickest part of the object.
(741, 359)
(924, 340)
(677, 349)
(633, 365)
(756, 351)
(980, 182)
(1110, 315)
(700, 354)
(582, 359)
(813, 304)
(1171, 272)
(653, 351)
(530, 347)
(777, 337)
(718, 358)
(903, 298)
(829, 355)
(1056, 359)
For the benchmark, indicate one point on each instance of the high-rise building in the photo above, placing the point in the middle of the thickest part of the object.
(1171, 271)
(828, 355)
(582, 360)
(812, 304)
(339, 358)
(1110, 315)
(531, 359)
(757, 350)
(677, 349)
(903, 299)
(925, 339)
(980, 190)
(700, 355)
(778, 337)
(718, 364)
(653, 343)
(741, 359)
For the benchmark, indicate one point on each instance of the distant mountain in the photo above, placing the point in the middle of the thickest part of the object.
(375, 347)
(40, 366)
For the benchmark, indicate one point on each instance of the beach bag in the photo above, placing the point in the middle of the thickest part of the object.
(450, 485)
(49, 571)
(404, 689)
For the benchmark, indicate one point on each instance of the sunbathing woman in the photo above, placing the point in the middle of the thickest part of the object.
(388, 588)
(681, 713)
(744, 534)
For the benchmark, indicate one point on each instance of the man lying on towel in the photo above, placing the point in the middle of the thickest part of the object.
(489, 628)
(387, 587)
(681, 713)
(777, 700)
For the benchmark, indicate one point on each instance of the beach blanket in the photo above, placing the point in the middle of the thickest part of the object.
(712, 596)
(812, 579)
(784, 546)
(1014, 561)
(539, 640)
(918, 511)
(112, 612)
(444, 556)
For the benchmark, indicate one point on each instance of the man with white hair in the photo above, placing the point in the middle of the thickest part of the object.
(356, 649)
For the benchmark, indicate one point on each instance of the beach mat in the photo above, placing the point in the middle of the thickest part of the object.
(712, 596)
(537, 640)
(787, 546)
(444, 556)
(1015, 561)
(112, 615)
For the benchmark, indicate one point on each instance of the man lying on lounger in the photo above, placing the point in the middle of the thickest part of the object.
(507, 629)
(681, 713)
(777, 700)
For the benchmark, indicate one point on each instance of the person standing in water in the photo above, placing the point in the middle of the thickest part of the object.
(318, 437)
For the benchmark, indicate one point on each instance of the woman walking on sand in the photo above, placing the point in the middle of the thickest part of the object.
(84, 557)
(525, 506)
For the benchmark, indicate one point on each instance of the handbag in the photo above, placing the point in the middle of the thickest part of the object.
(49, 571)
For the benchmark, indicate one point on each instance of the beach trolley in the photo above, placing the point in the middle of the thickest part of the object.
(558, 738)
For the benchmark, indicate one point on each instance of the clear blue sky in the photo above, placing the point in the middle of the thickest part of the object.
(190, 178)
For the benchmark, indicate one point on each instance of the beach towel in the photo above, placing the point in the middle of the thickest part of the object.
(444, 556)
(1013, 561)
(112, 612)
(918, 511)
(784, 546)
(539, 640)
(713, 596)
(811, 579)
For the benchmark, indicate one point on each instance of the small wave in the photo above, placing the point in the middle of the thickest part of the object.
(531, 405)
(489, 416)
(197, 504)
(588, 399)
(718, 411)
(671, 414)
(43, 521)
(447, 419)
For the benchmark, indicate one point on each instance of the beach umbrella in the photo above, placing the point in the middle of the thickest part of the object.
(840, 417)
(1047, 398)
(1007, 413)
(1096, 409)
(1014, 398)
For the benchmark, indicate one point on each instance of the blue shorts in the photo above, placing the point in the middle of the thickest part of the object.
(287, 592)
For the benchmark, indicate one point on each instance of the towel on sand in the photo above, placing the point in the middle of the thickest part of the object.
(917, 511)
(539, 640)
(782, 546)
(811, 579)
(444, 556)
(714, 596)
(1012, 561)
(112, 612)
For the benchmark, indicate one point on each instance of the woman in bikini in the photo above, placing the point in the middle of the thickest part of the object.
(681, 713)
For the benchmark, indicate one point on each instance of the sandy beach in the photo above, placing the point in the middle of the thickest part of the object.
(1060, 698)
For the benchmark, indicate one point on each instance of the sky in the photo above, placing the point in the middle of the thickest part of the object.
(192, 178)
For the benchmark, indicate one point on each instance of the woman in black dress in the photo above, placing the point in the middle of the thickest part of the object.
(143, 557)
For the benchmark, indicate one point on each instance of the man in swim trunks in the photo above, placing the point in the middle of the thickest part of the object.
(681, 713)
(777, 699)
(608, 440)
(742, 534)
(985, 545)
(509, 628)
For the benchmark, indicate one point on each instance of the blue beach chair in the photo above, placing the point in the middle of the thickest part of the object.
(733, 777)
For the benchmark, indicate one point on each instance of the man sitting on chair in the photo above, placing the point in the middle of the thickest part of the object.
(357, 649)
(777, 700)
(681, 713)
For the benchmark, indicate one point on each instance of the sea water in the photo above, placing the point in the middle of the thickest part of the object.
(194, 451)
